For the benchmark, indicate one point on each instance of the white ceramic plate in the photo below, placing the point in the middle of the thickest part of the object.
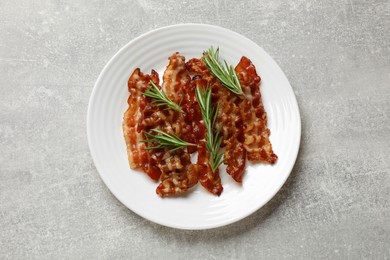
(199, 209)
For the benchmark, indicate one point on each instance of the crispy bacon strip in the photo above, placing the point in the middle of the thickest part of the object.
(178, 173)
(201, 78)
(207, 178)
(256, 133)
(229, 116)
(137, 155)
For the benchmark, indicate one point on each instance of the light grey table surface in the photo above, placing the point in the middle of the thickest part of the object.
(336, 202)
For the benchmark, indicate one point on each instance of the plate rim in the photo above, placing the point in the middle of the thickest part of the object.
(156, 220)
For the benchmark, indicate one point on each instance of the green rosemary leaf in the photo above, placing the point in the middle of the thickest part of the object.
(213, 138)
(171, 142)
(160, 97)
(226, 75)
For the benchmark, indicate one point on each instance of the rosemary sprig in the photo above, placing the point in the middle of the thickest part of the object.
(172, 142)
(226, 75)
(160, 98)
(209, 115)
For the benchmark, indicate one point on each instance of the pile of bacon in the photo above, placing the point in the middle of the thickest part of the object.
(243, 119)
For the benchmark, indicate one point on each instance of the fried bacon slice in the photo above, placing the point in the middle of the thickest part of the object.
(210, 180)
(178, 174)
(229, 116)
(137, 155)
(256, 133)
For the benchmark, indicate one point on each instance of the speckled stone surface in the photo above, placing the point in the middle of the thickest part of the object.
(336, 203)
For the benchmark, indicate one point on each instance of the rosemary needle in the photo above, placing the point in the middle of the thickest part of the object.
(226, 75)
(209, 115)
(172, 142)
(160, 98)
